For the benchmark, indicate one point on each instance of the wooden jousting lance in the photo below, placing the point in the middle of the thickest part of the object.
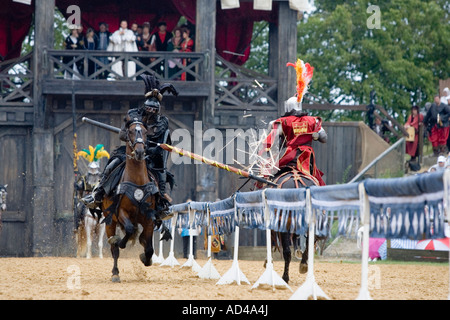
(189, 154)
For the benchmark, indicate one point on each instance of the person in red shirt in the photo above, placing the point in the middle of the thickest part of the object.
(187, 45)
(414, 119)
(293, 133)
(161, 38)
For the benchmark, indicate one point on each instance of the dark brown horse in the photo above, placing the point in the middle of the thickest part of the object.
(134, 201)
(291, 178)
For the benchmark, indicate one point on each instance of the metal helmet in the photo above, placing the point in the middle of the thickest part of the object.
(93, 168)
(154, 92)
(292, 104)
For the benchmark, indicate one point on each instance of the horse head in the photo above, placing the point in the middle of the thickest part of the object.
(3, 194)
(136, 139)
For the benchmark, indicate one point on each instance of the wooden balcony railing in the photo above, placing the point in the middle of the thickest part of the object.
(241, 88)
(16, 82)
(97, 65)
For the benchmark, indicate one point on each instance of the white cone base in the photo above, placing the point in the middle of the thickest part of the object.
(309, 289)
(171, 261)
(158, 259)
(209, 271)
(234, 274)
(192, 263)
(364, 295)
(271, 278)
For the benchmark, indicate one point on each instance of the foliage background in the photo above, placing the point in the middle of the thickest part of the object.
(402, 61)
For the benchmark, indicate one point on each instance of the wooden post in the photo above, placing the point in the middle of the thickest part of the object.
(42, 149)
(283, 49)
(205, 36)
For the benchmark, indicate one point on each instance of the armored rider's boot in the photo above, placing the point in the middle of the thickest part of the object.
(162, 207)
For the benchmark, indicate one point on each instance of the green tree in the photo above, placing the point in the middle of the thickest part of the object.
(402, 61)
(61, 31)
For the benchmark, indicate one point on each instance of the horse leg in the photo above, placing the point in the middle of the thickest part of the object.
(88, 230)
(286, 242)
(304, 262)
(128, 226)
(101, 235)
(113, 240)
(146, 240)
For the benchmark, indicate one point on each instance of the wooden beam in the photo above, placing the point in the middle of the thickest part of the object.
(206, 176)
(43, 204)
(329, 106)
(283, 49)
(119, 88)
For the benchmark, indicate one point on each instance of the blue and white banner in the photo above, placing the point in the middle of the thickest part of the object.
(250, 206)
(200, 210)
(407, 208)
(222, 215)
(287, 210)
(342, 200)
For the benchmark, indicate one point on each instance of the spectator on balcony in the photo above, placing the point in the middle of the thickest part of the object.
(187, 45)
(437, 123)
(159, 42)
(414, 120)
(144, 42)
(103, 41)
(161, 38)
(123, 40)
(73, 42)
(91, 43)
(174, 45)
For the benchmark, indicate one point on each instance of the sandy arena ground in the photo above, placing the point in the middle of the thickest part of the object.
(55, 278)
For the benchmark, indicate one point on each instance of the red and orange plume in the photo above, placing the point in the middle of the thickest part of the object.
(304, 75)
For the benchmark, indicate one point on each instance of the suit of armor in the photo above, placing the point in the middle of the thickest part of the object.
(157, 132)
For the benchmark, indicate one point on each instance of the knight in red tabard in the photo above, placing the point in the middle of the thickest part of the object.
(295, 131)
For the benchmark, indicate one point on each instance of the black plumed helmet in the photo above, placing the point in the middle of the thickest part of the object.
(154, 90)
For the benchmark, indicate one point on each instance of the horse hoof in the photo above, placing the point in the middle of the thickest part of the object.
(113, 240)
(115, 278)
(303, 268)
(298, 254)
(265, 263)
(144, 260)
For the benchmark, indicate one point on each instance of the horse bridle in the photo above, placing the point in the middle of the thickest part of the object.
(139, 139)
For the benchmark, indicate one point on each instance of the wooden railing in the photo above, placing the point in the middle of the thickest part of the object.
(240, 88)
(16, 82)
(95, 65)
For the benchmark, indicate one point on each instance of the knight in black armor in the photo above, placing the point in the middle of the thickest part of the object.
(156, 160)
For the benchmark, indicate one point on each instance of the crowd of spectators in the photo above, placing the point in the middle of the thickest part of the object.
(138, 38)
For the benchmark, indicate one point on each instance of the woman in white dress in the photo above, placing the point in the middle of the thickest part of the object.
(123, 40)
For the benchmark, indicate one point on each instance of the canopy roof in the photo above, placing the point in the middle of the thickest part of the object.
(233, 26)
